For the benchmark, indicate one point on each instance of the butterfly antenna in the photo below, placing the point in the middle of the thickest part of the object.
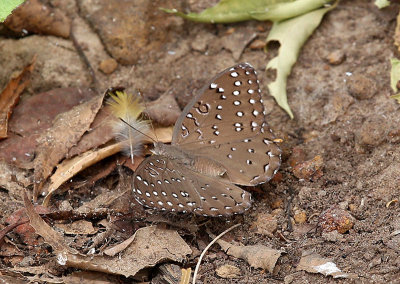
(151, 138)
(146, 108)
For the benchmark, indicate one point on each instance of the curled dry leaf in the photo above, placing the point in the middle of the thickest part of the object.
(66, 131)
(10, 96)
(69, 168)
(163, 111)
(289, 50)
(314, 263)
(257, 256)
(152, 246)
(35, 17)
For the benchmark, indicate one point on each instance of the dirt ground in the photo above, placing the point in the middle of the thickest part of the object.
(339, 93)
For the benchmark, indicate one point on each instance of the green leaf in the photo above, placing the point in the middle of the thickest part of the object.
(382, 3)
(291, 34)
(283, 11)
(7, 6)
(396, 97)
(395, 77)
(229, 11)
(394, 74)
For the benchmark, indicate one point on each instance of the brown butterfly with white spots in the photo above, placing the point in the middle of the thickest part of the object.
(221, 139)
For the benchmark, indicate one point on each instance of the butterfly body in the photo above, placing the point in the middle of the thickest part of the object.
(220, 139)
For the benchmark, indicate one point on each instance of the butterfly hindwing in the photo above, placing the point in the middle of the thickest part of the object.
(162, 184)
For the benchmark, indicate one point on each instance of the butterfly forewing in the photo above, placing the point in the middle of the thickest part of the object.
(226, 122)
(162, 183)
(229, 106)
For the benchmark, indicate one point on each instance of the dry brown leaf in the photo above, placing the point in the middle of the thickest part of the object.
(69, 168)
(32, 116)
(33, 16)
(10, 96)
(258, 256)
(152, 246)
(43, 229)
(66, 131)
(314, 263)
(136, 162)
(25, 231)
(164, 111)
(100, 133)
(112, 251)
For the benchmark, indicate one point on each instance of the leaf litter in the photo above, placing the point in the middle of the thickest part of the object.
(66, 131)
(151, 246)
(32, 117)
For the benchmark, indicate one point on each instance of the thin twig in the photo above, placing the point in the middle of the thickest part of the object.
(207, 247)
(82, 55)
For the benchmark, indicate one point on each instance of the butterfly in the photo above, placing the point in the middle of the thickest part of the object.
(220, 140)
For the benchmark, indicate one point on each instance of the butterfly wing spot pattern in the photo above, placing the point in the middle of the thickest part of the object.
(221, 139)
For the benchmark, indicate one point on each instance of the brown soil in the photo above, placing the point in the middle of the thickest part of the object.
(339, 92)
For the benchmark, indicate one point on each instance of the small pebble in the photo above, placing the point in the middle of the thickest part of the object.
(108, 66)
(257, 44)
(337, 219)
(228, 271)
(336, 57)
(373, 131)
(300, 217)
(361, 87)
(65, 206)
(309, 170)
(266, 224)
